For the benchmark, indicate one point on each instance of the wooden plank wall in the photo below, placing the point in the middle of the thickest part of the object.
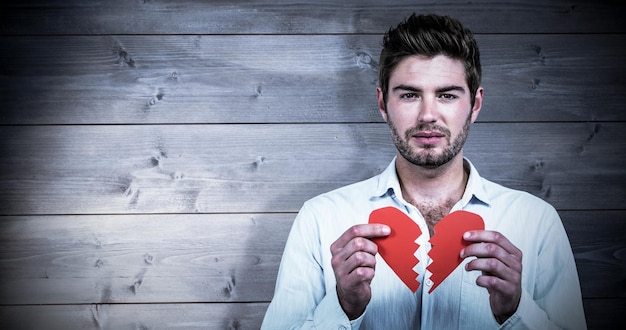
(154, 153)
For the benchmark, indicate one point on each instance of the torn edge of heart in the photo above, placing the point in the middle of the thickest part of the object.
(398, 248)
(447, 243)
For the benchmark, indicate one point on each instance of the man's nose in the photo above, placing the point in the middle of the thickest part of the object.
(427, 110)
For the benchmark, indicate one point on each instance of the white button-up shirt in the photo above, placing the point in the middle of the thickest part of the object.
(305, 295)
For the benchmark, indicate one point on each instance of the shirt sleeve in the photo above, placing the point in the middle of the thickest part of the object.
(556, 301)
(301, 299)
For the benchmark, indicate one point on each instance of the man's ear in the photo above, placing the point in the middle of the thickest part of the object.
(478, 103)
(381, 103)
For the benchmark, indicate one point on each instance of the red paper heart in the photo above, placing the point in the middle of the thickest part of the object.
(447, 243)
(399, 247)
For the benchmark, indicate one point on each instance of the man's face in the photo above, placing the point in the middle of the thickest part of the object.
(429, 109)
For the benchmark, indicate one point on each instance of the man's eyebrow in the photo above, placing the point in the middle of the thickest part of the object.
(406, 88)
(438, 90)
(450, 89)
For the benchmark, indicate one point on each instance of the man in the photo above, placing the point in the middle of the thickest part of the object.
(518, 273)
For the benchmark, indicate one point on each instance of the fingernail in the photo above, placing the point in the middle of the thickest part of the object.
(462, 254)
(467, 235)
(386, 230)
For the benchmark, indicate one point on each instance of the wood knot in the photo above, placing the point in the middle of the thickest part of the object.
(259, 161)
(158, 97)
(534, 84)
(257, 91)
(123, 58)
(594, 132)
(230, 287)
(363, 60)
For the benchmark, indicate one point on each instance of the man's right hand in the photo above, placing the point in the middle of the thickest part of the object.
(354, 261)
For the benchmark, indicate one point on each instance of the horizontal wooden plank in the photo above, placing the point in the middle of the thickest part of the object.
(598, 239)
(287, 79)
(602, 314)
(134, 316)
(274, 168)
(142, 258)
(188, 168)
(573, 166)
(287, 17)
(211, 258)
(605, 313)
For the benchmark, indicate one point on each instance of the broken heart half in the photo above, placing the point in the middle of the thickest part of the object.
(398, 249)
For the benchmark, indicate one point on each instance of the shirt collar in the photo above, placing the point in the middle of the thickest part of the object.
(389, 184)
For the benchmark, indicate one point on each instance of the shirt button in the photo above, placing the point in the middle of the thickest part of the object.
(429, 282)
(341, 327)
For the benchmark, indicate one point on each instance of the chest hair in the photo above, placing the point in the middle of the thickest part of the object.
(434, 212)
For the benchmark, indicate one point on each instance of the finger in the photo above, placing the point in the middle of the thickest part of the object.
(495, 252)
(488, 236)
(504, 296)
(359, 268)
(360, 260)
(497, 285)
(354, 254)
(359, 252)
(495, 268)
(363, 230)
(361, 274)
(361, 244)
(356, 270)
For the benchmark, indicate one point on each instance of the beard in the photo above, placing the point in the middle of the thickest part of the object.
(429, 157)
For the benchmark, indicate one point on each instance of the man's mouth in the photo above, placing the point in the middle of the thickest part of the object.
(428, 135)
(429, 138)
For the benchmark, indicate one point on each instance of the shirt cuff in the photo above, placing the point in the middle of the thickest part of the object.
(330, 315)
(527, 316)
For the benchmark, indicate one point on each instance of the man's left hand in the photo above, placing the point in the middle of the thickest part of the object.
(501, 265)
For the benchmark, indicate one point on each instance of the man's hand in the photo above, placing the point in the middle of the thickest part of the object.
(354, 261)
(501, 265)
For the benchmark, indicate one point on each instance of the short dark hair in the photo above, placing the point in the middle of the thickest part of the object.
(430, 35)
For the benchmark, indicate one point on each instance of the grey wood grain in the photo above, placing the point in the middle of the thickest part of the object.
(287, 79)
(140, 259)
(268, 168)
(210, 258)
(153, 153)
(288, 17)
(134, 316)
(200, 316)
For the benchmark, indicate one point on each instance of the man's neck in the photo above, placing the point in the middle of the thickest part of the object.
(433, 191)
(432, 185)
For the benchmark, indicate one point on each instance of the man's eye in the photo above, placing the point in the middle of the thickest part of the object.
(448, 96)
(408, 96)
